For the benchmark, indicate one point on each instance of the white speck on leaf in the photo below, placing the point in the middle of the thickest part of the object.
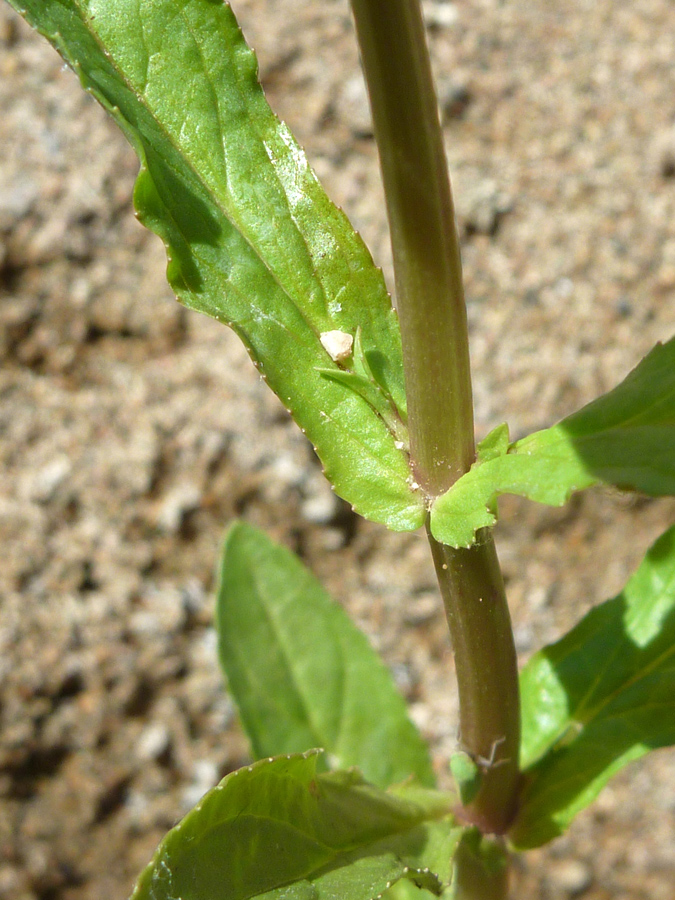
(337, 344)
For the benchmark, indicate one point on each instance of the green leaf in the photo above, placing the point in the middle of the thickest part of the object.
(625, 438)
(468, 777)
(494, 444)
(251, 237)
(600, 697)
(301, 673)
(280, 830)
(364, 382)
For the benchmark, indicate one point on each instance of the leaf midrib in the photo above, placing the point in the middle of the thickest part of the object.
(188, 162)
(186, 159)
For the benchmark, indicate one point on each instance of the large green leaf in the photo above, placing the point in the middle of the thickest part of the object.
(625, 438)
(251, 237)
(301, 673)
(280, 830)
(599, 698)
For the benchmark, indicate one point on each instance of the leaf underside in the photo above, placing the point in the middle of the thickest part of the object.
(626, 439)
(600, 697)
(251, 237)
(277, 829)
(301, 673)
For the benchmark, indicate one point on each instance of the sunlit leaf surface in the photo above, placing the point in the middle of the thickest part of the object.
(625, 438)
(599, 698)
(301, 673)
(251, 238)
(277, 829)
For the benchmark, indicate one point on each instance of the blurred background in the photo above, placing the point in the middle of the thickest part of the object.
(132, 431)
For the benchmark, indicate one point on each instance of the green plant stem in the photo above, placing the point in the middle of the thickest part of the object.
(427, 265)
(487, 674)
(475, 878)
(432, 313)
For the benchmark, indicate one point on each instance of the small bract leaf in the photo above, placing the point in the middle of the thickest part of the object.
(280, 830)
(370, 392)
(625, 438)
(301, 673)
(494, 444)
(599, 698)
(467, 776)
(251, 237)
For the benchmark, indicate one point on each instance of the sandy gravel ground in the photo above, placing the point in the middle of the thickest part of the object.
(131, 432)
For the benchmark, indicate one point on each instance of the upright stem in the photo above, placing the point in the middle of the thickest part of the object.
(487, 674)
(427, 265)
(432, 313)
(481, 875)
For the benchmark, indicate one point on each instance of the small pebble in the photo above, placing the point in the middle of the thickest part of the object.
(178, 503)
(454, 97)
(353, 106)
(440, 13)
(204, 777)
(572, 876)
(46, 481)
(320, 509)
(153, 743)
